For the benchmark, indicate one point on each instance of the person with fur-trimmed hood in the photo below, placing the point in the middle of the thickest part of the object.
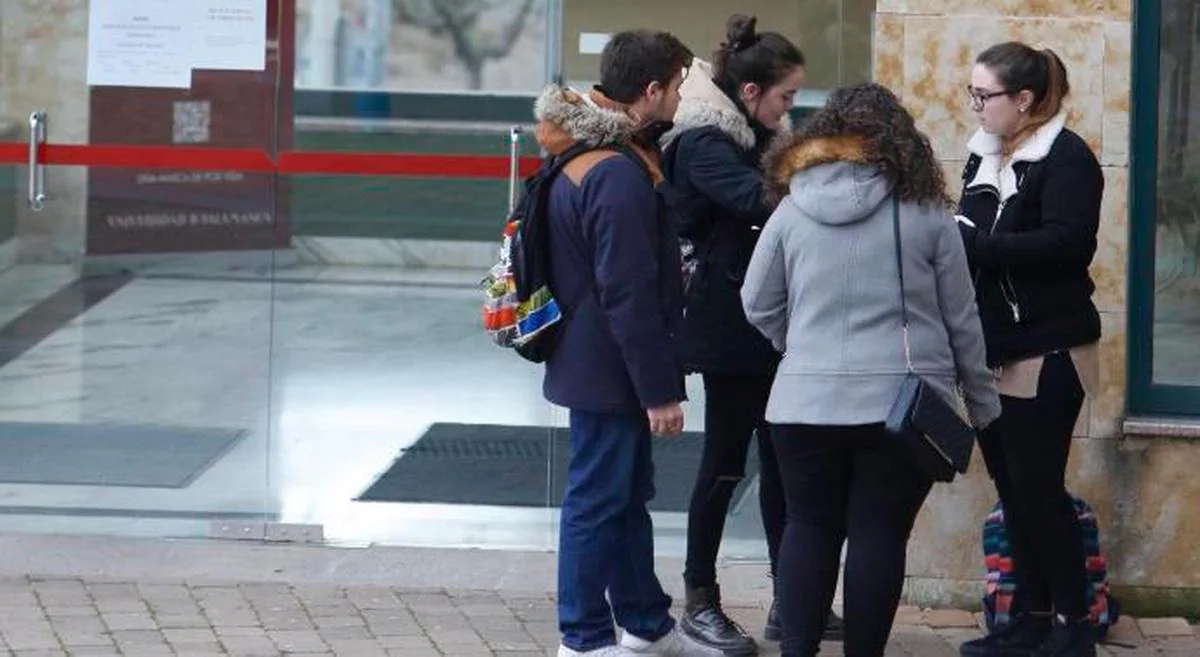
(615, 269)
(730, 112)
(859, 278)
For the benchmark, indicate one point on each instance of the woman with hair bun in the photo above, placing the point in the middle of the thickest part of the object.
(730, 111)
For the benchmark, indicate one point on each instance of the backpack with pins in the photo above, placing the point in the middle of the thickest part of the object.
(519, 308)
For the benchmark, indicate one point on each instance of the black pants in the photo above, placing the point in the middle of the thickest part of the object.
(733, 414)
(844, 484)
(1026, 452)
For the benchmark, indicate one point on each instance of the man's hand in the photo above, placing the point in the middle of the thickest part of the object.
(666, 420)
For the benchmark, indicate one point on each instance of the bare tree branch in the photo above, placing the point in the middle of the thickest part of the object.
(459, 20)
(510, 34)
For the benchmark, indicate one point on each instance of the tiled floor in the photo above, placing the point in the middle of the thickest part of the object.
(331, 371)
(87, 617)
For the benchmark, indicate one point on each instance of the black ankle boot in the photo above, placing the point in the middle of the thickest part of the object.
(774, 630)
(705, 622)
(835, 628)
(1069, 638)
(1017, 639)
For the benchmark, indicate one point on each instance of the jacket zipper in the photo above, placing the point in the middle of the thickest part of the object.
(1010, 294)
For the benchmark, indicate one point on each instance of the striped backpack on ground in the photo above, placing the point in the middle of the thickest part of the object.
(1002, 583)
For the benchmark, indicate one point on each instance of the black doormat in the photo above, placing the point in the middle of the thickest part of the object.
(522, 466)
(110, 454)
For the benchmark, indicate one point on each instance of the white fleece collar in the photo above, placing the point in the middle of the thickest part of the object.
(704, 104)
(988, 147)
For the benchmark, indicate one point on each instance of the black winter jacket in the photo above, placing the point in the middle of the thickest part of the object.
(1030, 263)
(712, 165)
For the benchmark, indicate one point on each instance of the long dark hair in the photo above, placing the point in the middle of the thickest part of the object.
(893, 142)
(751, 57)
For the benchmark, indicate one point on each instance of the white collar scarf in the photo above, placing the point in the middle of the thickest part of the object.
(1002, 178)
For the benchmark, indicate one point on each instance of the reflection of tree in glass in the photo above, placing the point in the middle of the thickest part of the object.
(1179, 152)
(460, 21)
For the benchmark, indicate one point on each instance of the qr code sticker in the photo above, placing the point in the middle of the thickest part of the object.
(192, 121)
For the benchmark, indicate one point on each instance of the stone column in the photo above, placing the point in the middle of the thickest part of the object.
(924, 49)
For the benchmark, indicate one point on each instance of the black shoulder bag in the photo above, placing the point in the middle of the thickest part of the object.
(924, 424)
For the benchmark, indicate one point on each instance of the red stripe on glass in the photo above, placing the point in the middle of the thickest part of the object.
(250, 161)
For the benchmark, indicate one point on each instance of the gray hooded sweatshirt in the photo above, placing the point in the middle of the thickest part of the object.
(822, 286)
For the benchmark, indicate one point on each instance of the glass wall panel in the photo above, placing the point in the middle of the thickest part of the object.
(1176, 333)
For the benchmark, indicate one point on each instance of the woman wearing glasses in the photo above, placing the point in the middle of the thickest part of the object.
(1029, 214)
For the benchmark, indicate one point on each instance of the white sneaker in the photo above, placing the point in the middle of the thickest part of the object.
(674, 644)
(606, 651)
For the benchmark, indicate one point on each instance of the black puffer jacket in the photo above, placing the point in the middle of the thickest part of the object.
(1031, 262)
(712, 165)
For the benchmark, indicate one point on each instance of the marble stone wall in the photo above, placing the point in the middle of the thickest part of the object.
(924, 49)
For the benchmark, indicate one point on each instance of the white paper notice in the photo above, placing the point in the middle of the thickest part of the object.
(592, 43)
(231, 35)
(140, 43)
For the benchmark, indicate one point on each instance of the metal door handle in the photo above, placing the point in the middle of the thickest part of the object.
(514, 165)
(37, 170)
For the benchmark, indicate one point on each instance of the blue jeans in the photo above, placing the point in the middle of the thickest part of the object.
(606, 540)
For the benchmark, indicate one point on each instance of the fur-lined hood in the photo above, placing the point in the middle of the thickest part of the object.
(566, 116)
(703, 104)
(830, 178)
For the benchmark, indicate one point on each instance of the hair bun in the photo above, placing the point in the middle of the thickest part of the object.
(740, 32)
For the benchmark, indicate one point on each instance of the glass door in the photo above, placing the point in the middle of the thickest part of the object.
(241, 251)
(140, 226)
(397, 421)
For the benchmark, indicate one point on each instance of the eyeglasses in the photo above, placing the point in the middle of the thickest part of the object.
(980, 98)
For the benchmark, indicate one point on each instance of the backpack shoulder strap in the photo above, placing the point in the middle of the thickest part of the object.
(578, 168)
(629, 152)
(581, 158)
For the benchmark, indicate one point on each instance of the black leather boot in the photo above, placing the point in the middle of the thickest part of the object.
(1069, 638)
(705, 622)
(1017, 639)
(774, 630)
(835, 628)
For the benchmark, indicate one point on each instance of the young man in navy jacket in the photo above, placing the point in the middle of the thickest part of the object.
(614, 266)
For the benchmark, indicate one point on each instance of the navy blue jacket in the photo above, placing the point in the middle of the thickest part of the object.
(615, 269)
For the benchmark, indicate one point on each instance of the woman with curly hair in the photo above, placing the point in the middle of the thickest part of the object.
(823, 287)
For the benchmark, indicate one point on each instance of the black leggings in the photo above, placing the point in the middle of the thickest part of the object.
(844, 483)
(733, 414)
(1026, 453)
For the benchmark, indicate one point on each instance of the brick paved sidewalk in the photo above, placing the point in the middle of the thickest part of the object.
(71, 616)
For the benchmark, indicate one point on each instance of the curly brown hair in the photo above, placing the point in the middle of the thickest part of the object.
(893, 143)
